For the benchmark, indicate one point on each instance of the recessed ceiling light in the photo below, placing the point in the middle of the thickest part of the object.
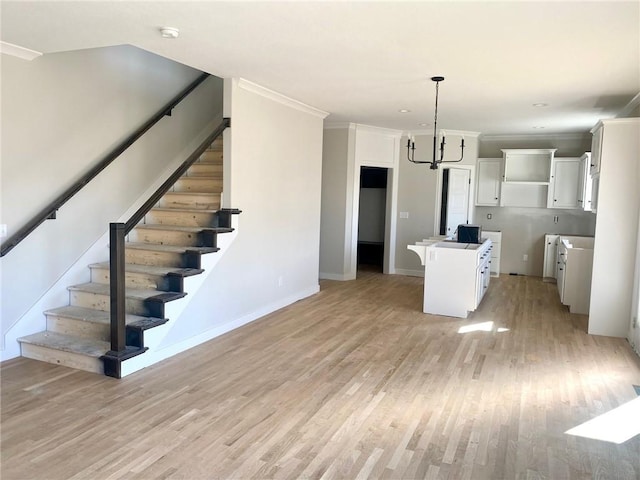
(540, 104)
(169, 32)
(423, 124)
(539, 128)
(404, 110)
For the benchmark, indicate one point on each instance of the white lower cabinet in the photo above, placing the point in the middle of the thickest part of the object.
(496, 250)
(550, 268)
(456, 277)
(575, 264)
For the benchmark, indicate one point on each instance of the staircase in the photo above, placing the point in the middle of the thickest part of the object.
(160, 253)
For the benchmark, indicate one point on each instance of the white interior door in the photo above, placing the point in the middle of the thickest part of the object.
(457, 198)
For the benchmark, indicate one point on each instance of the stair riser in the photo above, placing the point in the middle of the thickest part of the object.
(78, 328)
(211, 156)
(216, 146)
(198, 184)
(102, 302)
(60, 357)
(183, 219)
(132, 279)
(206, 201)
(205, 170)
(147, 257)
(166, 237)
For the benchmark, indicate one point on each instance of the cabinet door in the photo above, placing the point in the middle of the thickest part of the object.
(565, 182)
(585, 186)
(489, 179)
(596, 149)
(550, 256)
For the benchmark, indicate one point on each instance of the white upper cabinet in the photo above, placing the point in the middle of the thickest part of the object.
(528, 166)
(596, 150)
(585, 188)
(489, 179)
(535, 178)
(565, 183)
(527, 175)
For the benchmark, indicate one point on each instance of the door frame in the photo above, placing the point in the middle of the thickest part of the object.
(472, 193)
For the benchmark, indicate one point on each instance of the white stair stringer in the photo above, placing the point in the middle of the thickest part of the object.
(153, 337)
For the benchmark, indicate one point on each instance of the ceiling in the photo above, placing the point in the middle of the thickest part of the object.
(364, 61)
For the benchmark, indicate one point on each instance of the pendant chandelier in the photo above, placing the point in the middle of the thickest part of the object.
(435, 161)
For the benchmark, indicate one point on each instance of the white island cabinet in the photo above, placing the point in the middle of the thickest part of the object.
(456, 276)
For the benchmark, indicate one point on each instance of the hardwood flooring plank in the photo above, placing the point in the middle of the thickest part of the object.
(354, 382)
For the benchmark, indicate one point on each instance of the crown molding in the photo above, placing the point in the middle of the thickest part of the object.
(446, 131)
(339, 125)
(629, 107)
(607, 121)
(536, 136)
(380, 130)
(18, 51)
(280, 98)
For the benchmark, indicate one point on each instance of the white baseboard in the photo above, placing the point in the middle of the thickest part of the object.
(152, 357)
(410, 273)
(336, 276)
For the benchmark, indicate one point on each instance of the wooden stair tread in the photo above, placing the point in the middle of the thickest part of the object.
(153, 269)
(68, 343)
(94, 316)
(216, 177)
(169, 248)
(134, 293)
(188, 193)
(184, 210)
(207, 161)
(181, 228)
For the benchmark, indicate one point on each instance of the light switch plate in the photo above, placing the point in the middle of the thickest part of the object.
(404, 214)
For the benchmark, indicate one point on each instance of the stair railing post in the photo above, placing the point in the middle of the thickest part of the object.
(117, 286)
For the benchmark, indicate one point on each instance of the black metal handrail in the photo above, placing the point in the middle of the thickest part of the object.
(117, 233)
(49, 212)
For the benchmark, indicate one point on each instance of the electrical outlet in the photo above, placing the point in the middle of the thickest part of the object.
(280, 281)
(525, 257)
(489, 216)
(404, 214)
(3, 230)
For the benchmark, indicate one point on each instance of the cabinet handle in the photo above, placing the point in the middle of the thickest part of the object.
(593, 164)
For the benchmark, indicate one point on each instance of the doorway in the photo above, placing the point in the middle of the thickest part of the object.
(454, 199)
(372, 218)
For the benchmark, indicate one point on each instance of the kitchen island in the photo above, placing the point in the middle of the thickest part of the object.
(456, 275)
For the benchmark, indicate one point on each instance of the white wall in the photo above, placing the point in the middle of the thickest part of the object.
(335, 202)
(276, 171)
(523, 229)
(371, 215)
(417, 194)
(61, 113)
(364, 146)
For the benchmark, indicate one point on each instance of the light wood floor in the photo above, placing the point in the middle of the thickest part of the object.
(352, 383)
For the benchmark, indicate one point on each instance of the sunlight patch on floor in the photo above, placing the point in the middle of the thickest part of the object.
(616, 426)
(481, 327)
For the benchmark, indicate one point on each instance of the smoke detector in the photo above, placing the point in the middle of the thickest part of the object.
(169, 32)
